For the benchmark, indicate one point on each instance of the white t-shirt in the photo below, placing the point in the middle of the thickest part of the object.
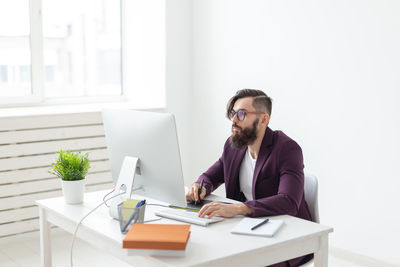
(246, 174)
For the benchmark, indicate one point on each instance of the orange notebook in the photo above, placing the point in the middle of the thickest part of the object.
(157, 236)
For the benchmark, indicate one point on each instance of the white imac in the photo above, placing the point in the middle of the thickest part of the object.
(151, 139)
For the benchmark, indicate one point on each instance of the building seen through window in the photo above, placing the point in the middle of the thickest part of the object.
(81, 48)
(15, 55)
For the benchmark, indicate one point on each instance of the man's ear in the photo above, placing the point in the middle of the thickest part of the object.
(265, 119)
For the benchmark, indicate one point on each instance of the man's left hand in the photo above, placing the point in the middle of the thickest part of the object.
(224, 210)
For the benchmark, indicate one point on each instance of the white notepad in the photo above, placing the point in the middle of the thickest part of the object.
(267, 230)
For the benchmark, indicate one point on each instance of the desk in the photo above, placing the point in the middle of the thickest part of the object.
(213, 245)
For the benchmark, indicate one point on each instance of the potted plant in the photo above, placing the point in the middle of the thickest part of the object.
(72, 168)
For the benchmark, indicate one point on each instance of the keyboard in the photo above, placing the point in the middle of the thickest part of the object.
(187, 216)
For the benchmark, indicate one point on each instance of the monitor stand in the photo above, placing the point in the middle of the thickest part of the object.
(124, 186)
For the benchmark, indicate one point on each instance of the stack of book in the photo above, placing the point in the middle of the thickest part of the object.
(157, 239)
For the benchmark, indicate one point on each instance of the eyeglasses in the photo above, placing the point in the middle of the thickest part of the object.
(241, 114)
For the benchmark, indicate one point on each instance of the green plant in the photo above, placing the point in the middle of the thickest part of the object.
(70, 166)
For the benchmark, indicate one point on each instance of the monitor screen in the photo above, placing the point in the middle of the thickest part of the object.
(152, 138)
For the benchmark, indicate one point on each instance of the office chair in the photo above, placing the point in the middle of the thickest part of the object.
(311, 196)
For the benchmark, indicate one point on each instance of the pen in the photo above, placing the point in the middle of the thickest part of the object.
(141, 203)
(199, 192)
(258, 225)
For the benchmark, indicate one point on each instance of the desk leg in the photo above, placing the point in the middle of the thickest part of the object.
(45, 239)
(321, 256)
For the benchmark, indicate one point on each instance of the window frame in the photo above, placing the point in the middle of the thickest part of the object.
(37, 97)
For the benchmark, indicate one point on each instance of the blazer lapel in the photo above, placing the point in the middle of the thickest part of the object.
(265, 150)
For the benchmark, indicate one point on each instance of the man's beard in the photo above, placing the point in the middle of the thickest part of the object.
(244, 137)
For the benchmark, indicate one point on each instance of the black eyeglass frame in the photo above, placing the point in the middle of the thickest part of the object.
(241, 114)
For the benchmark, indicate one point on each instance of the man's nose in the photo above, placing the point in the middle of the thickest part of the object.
(235, 119)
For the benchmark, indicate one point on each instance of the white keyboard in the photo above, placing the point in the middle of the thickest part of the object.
(187, 216)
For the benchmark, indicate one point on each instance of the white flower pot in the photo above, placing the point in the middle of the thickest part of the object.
(73, 191)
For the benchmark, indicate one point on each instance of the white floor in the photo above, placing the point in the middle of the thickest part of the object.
(24, 250)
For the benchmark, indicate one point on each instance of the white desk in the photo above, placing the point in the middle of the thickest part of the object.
(213, 245)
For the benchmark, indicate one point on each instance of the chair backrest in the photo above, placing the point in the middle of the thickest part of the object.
(311, 195)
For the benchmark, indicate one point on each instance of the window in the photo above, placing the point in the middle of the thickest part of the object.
(82, 47)
(57, 49)
(15, 55)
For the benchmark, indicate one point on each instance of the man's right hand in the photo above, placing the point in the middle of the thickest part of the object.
(192, 194)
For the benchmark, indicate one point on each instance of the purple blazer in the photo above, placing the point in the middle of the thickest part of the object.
(278, 182)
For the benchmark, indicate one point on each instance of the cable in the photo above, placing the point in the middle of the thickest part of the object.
(157, 205)
(104, 198)
(90, 212)
(84, 217)
(105, 201)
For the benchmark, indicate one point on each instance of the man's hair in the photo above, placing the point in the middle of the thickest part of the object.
(261, 102)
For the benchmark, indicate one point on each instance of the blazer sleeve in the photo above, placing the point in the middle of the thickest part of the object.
(291, 185)
(215, 175)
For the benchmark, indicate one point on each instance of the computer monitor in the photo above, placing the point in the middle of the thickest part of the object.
(152, 138)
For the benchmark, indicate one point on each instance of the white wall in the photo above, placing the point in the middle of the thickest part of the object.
(158, 55)
(179, 75)
(333, 70)
(144, 52)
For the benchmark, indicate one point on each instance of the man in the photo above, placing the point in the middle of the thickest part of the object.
(260, 167)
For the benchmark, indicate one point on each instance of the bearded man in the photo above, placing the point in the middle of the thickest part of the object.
(261, 168)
